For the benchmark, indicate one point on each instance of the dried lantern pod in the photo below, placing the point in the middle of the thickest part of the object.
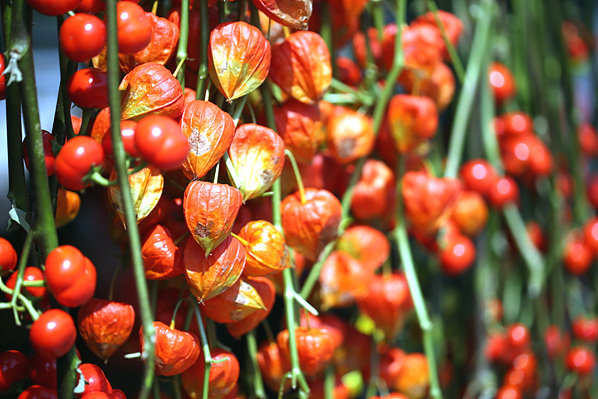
(150, 88)
(298, 125)
(68, 204)
(176, 350)
(411, 120)
(470, 212)
(210, 212)
(265, 289)
(453, 27)
(273, 364)
(294, 14)
(374, 194)
(162, 259)
(257, 155)
(350, 135)
(311, 222)
(315, 347)
(266, 249)
(101, 125)
(439, 86)
(422, 47)
(428, 201)
(222, 380)
(239, 58)
(209, 131)
(368, 245)
(343, 280)
(105, 325)
(414, 377)
(234, 304)
(146, 190)
(387, 303)
(210, 275)
(162, 47)
(301, 66)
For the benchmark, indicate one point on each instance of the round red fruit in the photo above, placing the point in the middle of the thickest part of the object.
(13, 368)
(160, 141)
(53, 333)
(501, 81)
(8, 256)
(82, 37)
(88, 88)
(75, 160)
(54, 7)
(457, 255)
(134, 27)
(581, 360)
(49, 156)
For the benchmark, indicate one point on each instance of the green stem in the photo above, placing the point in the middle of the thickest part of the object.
(329, 383)
(20, 273)
(457, 64)
(529, 252)
(181, 54)
(472, 78)
(205, 345)
(327, 34)
(202, 73)
(63, 126)
(297, 173)
(258, 384)
(127, 202)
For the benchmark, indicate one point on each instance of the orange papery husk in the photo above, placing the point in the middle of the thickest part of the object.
(162, 259)
(350, 136)
(222, 380)
(375, 193)
(351, 9)
(274, 31)
(309, 226)
(470, 213)
(210, 132)
(105, 325)
(428, 201)
(298, 125)
(343, 280)
(210, 212)
(101, 125)
(315, 347)
(162, 47)
(387, 303)
(273, 364)
(453, 27)
(176, 350)
(234, 304)
(414, 377)
(294, 14)
(360, 50)
(411, 120)
(146, 190)
(257, 155)
(368, 245)
(422, 47)
(266, 249)
(439, 86)
(301, 66)
(238, 58)
(344, 25)
(267, 293)
(68, 204)
(348, 71)
(390, 364)
(211, 275)
(150, 89)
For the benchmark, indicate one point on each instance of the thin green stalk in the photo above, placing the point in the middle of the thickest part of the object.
(202, 73)
(127, 202)
(457, 64)
(181, 54)
(258, 384)
(327, 33)
(205, 345)
(472, 78)
(329, 382)
(20, 273)
(63, 126)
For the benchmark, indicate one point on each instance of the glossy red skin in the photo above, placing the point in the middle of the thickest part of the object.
(508, 392)
(88, 88)
(95, 380)
(581, 360)
(82, 37)
(53, 333)
(478, 175)
(585, 328)
(118, 394)
(91, 6)
(501, 82)
(588, 139)
(31, 274)
(70, 276)
(54, 7)
(134, 27)
(49, 156)
(75, 160)
(39, 392)
(556, 341)
(8, 256)
(127, 132)
(13, 367)
(577, 255)
(457, 255)
(2, 77)
(503, 191)
(513, 124)
(160, 141)
(42, 370)
(590, 232)
(518, 336)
